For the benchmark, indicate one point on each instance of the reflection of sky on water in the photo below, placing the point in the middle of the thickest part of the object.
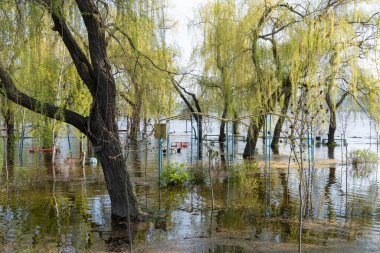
(186, 214)
(72, 212)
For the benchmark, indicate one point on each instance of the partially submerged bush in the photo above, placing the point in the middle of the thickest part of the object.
(197, 175)
(362, 157)
(241, 170)
(244, 175)
(175, 174)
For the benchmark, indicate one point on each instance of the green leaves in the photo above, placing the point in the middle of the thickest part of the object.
(175, 174)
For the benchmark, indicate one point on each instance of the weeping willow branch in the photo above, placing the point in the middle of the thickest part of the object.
(9, 90)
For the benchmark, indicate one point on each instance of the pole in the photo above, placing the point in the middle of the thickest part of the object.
(232, 143)
(270, 135)
(265, 139)
(265, 132)
(168, 144)
(198, 138)
(159, 160)
(228, 153)
(22, 137)
(191, 140)
(308, 159)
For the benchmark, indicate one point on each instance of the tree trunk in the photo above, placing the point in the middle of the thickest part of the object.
(332, 127)
(331, 135)
(10, 132)
(252, 137)
(200, 117)
(222, 134)
(119, 186)
(104, 136)
(101, 124)
(278, 128)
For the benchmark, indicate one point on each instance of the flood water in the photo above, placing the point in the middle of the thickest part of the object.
(67, 209)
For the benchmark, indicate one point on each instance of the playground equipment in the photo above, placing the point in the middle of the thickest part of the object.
(163, 134)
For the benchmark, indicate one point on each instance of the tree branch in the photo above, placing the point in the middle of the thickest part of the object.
(341, 99)
(80, 60)
(128, 100)
(96, 35)
(9, 90)
(188, 104)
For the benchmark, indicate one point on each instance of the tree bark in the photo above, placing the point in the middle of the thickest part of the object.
(252, 137)
(332, 127)
(119, 186)
(333, 108)
(222, 129)
(278, 128)
(100, 126)
(10, 132)
(199, 121)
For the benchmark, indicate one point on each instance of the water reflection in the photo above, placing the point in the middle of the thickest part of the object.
(67, 209)
(331, 152)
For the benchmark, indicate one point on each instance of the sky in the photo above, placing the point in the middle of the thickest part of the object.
(181, 37)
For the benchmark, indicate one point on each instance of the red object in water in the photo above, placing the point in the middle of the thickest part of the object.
(43, 150)
(185, 144)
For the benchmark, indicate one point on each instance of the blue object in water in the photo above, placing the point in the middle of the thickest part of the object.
(93, 161)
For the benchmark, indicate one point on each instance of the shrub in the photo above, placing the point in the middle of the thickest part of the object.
(245, 178)
(241, 170)
(362, 157)
(174, 174)
(198, 175)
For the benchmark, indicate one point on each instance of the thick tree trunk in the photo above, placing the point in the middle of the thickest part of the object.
(252, 137)
(278, 128)
(101, 125)
(333, 107)
(120, 190)
(331, 134)
(104, 136)
(332, 127)
(10, 132)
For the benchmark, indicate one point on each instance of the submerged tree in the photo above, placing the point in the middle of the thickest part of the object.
(94, 68)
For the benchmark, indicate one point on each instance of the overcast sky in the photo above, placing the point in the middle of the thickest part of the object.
(181, 37)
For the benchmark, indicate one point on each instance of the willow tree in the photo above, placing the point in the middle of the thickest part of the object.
(270, 67)
(311, 80)
(351, 44)
(93, 66)
(219, 51)
(140, 56)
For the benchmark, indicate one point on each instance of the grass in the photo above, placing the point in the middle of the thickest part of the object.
(361, 158)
